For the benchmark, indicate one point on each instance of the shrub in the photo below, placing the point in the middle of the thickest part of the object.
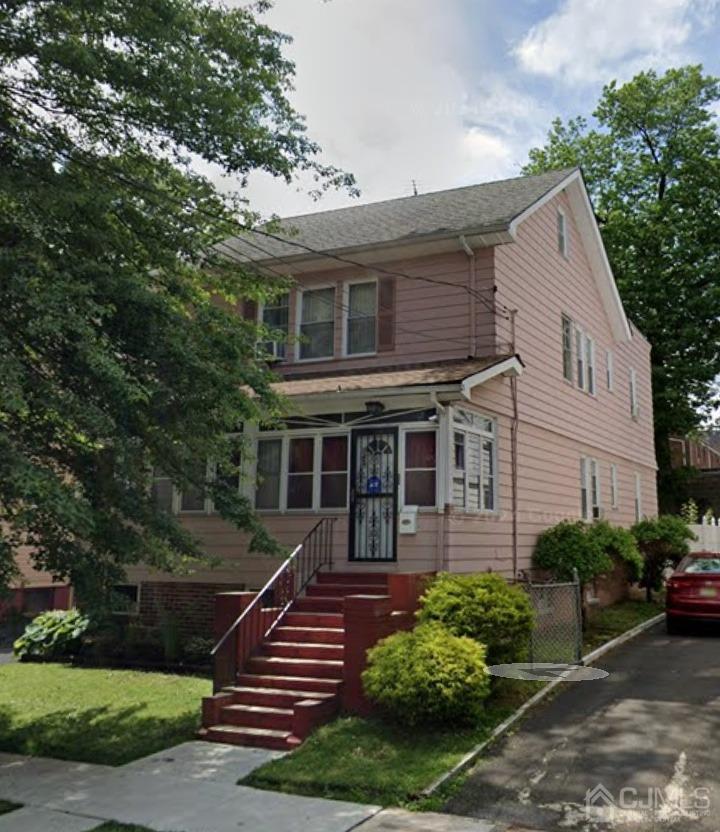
(483, 607)
(428, 676)
(619, 544)
(663, 542)
(196, 650)
(566, 547)
(52, 635)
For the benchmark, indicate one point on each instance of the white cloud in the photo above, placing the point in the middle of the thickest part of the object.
(586, 41)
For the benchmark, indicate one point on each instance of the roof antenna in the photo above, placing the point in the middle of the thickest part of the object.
(415, 190)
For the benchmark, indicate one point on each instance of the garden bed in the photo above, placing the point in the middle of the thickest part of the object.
(95, 716)
(368, 760)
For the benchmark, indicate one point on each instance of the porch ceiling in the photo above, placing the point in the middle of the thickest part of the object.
(464, 374)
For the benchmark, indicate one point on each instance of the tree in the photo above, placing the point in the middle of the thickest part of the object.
(121, 349)
(652, 167)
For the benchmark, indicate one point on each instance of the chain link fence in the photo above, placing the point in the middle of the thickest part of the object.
(557, 635)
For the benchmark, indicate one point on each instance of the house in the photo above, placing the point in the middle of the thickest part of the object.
(461, 374)
(694, 452)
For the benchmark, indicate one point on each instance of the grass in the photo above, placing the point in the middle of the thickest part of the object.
(606, 624)
(95, 716)
(6, 807)
(370, 761)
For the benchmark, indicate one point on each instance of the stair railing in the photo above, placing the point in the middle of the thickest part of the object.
(261, 616)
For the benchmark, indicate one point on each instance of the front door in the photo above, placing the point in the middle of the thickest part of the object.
(373, 494)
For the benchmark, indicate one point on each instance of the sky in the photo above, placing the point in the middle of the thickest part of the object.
(454, 92)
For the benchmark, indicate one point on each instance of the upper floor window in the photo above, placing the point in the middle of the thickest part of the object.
(275, 315)
(474, 477)
(609, 370)
(634, 403)
(562, 239)
(317, 324)
(361, 318)
(590, 505)
(578, 350)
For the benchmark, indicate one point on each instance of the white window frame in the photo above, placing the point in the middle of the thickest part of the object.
(609, 370)
(562, 236)
(590, 486)
(346, 315)
(567, 328)
(299, 295)
(492, 435)
(613, 485)
(638, 497)
(262, 306)
(590, 372)
(634, 403)
(583, 357)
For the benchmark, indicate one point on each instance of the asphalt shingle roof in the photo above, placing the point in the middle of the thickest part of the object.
(487, 207)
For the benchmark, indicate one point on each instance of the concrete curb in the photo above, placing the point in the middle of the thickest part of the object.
(501, 729)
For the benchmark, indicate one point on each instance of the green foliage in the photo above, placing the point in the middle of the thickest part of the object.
(663, 542)
(170, 636)
(567, 547)
(428, 676)
(619, 544)
(115, 356)
(483, 607)
(52, 635)
(196, 650)
(651, 162)
(689, 512)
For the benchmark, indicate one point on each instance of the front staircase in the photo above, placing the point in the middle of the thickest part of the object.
(299, 664)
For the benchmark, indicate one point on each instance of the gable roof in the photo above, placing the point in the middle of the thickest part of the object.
(484, 208)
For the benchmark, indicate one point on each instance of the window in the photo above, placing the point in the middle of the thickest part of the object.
(125, 599)
(275, 316)
(590, 507)
(609, 370)
(420, 468)
(590, 365)
(361, 323)
(634, 405)
(269, 460)
(317, 323)
(192, 497)
(474, 479)
(162, 490)
(562, 233)
(579, 359)
(613, 486)
(334, 472)
(567, 349)
(301, 464)
(638, 498)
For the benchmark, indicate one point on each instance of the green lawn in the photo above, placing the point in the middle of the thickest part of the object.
(367, 760)
(604, 625)
(6, 807)
(95, 716)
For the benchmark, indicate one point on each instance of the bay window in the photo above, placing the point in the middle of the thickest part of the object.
(360, 320)
(474, 480)
(420, 459)
(317, 324)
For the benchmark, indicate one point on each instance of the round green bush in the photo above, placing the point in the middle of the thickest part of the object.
(428, 676)
(619, 544)
(566, 547)
(483, 607)
(52, 635)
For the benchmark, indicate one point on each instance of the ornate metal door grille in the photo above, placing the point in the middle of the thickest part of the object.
(373, 494)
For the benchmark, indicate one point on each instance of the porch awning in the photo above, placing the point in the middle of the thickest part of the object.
(463, 375)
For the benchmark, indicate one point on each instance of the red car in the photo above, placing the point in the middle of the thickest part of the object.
(693, 591)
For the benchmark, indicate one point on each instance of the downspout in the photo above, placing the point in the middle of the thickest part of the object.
(514, 425)
(472, 336)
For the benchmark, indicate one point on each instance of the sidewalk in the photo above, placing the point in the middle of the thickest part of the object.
(188, 788)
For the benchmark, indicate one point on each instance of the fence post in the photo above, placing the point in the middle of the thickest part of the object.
(228, 606)
(368, 618)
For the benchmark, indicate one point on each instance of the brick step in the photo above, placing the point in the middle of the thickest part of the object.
(341, 590)
(313, 619)
(258, 716)
(303, 650)
(279, 681)
(310, 635)
(312, 604)
(352, 578)
(282, 666)
(258, 737)
(274, 697)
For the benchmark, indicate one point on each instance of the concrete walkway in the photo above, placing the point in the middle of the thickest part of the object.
(188, 788)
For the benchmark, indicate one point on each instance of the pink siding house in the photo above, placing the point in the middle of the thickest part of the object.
(461, 374)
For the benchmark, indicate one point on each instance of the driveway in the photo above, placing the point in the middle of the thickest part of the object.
(652, 728)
